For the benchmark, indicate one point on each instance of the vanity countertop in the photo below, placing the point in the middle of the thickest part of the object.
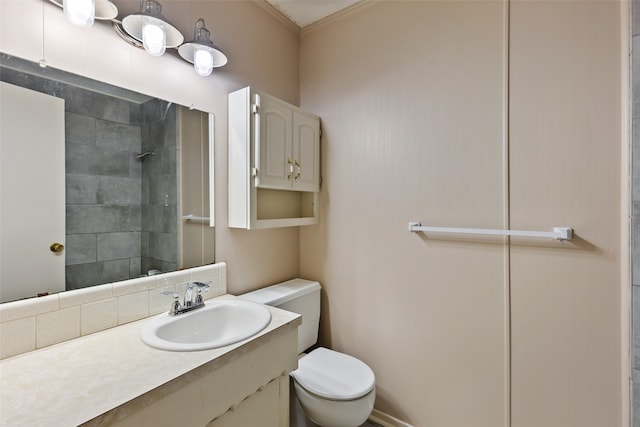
(91, 378)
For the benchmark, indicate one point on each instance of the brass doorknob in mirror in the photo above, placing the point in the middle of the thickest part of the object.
(56, 247)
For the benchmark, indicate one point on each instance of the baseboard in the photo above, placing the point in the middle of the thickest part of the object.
(385, 420)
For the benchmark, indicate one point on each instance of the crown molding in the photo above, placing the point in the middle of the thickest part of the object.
(338, 15)
(271, 10)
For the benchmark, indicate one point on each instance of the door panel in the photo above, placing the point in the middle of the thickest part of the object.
(274, 170)
(565, 141)
(306, 152)
(32, 192)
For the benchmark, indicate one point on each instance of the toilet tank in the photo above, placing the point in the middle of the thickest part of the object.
(298, 296)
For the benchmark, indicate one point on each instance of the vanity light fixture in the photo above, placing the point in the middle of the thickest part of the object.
(83, 12)
(201, 52)
(80, 12)
(152, 29)
(148, 29)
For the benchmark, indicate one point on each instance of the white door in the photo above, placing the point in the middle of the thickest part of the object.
(32, 193)
(306, 152)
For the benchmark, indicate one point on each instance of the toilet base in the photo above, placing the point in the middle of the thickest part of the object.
(350, 413)
(297, 417)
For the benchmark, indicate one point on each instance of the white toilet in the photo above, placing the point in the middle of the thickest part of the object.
(334, 389)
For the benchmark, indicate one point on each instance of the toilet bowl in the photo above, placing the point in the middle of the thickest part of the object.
(333, 388)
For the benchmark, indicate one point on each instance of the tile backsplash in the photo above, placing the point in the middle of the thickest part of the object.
(34, 323)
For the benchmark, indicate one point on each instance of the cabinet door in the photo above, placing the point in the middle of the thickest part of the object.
(275, 159)
(306, 152)
(263, 408)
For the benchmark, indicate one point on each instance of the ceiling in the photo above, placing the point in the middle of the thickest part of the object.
(306, 12)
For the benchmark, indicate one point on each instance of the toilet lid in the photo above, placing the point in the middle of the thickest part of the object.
(334, 375)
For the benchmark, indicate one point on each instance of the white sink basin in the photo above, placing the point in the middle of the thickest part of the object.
(217, 324)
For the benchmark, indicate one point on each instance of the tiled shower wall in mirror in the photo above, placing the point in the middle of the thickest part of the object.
(159, 186)
(121, 210)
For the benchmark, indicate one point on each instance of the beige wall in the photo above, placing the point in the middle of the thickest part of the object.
(565, 151)
(262, 50)
(196, 238)
(413, 100)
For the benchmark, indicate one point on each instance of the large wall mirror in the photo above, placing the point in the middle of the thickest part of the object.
(98, 184)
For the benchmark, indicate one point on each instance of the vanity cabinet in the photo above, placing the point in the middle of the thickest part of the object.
(274, 162)
(251, 390)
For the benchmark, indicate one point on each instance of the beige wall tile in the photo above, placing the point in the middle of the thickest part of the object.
(28, 307)
(133, 307)
(17, 336)
(223, 279)
(174, 278)
(86, 295)
(214, 291)
(217, 278)
(159, 303)
(57, 326)
(134, 285)
(84, 312)
(98, 316)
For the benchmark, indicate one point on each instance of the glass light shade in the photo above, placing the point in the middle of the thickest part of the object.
(201, 52)
(154, 39)
(152, 29)
(202, 61)
(80, 12)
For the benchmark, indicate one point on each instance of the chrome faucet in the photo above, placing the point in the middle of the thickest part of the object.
(192, 300)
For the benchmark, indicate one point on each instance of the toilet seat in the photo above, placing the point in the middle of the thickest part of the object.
(333, 375)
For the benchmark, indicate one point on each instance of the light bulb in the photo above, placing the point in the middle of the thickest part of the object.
(154, 39)
(80, 12)
(202, 61)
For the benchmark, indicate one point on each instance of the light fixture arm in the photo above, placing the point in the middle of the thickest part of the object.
(152, 8)
(200, 32)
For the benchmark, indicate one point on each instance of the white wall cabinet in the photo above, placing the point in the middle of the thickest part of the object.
(288, 146)
(274, 162)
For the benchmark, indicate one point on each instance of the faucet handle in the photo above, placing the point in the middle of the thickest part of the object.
(175, 305)
(174, 294)
(202, 287)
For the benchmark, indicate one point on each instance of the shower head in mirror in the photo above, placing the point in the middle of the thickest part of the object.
(142, 156)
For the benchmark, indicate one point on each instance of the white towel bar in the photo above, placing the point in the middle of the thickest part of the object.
(558, 233)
